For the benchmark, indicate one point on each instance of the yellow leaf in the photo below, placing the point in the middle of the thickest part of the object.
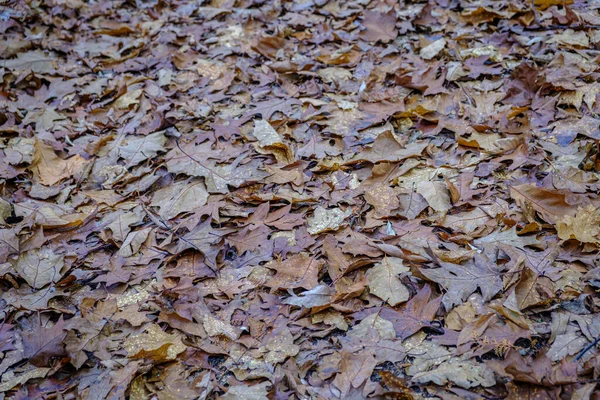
(543, 4)
(584, 226)
(154, 344)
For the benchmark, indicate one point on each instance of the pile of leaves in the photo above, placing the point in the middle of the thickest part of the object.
(246, 199)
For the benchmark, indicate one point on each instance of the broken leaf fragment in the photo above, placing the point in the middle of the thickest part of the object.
(271, 142)
(154, 344)
(265, 133)
(326, 220)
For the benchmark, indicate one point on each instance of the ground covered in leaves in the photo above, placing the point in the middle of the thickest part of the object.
(290, 200)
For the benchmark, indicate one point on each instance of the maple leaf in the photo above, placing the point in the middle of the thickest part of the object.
(462, 280)
(415, 315)
(300, 270)
(379, 26)
(42, 343)
(387, 148)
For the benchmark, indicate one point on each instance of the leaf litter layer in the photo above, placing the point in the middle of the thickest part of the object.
(317, 199)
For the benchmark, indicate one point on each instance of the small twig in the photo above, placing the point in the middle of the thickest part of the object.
(588, 348)
(557, 27)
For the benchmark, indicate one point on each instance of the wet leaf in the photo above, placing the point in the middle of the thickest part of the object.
(326, 220)
(154, 344)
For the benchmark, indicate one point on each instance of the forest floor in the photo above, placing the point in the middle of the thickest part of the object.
(312, 199)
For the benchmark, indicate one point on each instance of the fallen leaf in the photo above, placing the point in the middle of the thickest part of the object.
(384, 281)
(40, 267)
(10, 380)
(49, 169)
(460, 280)
(436, 193)
(179, 198)
(379, 26)
(135, 149)
(462, 372)
(433, 49)
(154, 344)
(43, 343)
(35, 61)
(584, 226)
(355, 369)
(326, 220)
(249, 392)
(300, 270)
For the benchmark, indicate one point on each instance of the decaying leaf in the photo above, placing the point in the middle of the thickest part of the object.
(326, 220)
(584, 226)
(154, 344)
(269, 200)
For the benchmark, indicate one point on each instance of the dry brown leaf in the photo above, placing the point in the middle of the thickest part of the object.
(49, 169)
(436, 193)
(179, 198)
(384, 281)
(40, 267)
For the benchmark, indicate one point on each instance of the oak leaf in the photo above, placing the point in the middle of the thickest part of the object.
(179, 198)
(413, 316)
(135, 149)
(460, 280)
